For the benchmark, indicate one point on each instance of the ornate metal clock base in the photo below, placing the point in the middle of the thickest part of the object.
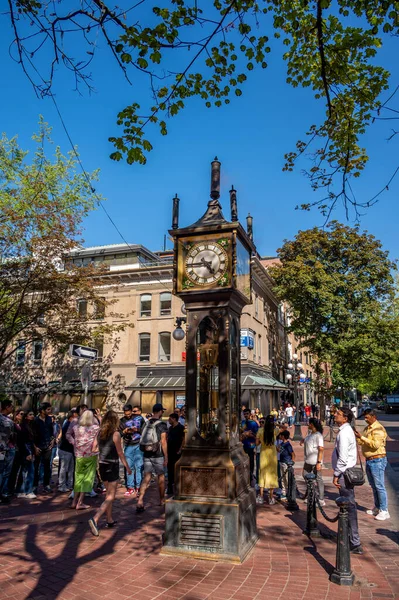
(205, 521)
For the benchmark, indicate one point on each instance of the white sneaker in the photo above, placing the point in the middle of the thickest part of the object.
(259, 500)
(21, 495)
(383, 515)
(373, 511)
(322, 503)
(30, 496)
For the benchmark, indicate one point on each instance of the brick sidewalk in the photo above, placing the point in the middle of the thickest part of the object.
(47, 552)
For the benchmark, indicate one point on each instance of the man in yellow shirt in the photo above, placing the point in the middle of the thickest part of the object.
(373, 445)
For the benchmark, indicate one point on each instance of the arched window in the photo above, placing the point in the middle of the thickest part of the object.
(164, 347)
(145, 305)
(144, 347)
(165, 303)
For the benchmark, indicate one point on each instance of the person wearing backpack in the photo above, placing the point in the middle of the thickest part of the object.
(154, 445)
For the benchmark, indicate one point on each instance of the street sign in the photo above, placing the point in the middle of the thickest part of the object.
(83, 352)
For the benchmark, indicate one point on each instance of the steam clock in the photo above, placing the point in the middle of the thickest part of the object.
(212, 514)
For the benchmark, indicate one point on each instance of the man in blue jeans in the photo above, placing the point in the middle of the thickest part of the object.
(373, 445)
(131, 427)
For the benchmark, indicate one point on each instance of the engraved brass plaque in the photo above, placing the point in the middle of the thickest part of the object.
(202, 481)
(201, 530)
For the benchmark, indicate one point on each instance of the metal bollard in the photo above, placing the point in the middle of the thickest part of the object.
(312, 529)
(291, 492)
(342, 574)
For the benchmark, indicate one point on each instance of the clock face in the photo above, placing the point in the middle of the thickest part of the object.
(206, 263)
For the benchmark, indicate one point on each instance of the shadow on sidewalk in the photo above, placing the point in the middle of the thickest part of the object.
(392, 535)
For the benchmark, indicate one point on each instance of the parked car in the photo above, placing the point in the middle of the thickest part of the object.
(392, 404)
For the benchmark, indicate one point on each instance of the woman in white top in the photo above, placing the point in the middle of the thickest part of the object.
(314, 448)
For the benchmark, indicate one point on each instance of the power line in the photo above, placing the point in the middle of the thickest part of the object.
(93, 191)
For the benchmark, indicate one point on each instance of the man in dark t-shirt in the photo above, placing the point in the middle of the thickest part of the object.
(155, 460)
(175, 443)
(66, 457)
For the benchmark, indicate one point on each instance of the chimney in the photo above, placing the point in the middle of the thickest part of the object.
(233, 204)
(250, 227)
(215, 179)
(175, 213)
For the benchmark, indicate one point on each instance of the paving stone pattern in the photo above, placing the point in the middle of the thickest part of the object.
(47, 552)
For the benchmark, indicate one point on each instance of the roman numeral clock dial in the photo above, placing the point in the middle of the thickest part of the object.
(206, 263)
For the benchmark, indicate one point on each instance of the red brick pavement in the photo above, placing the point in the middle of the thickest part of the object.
(47, 552)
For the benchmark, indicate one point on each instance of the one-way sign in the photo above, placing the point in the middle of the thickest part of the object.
(78, 351)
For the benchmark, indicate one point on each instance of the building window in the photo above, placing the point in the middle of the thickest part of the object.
(144, 347)
(254, 348)
(165, 300)
(99, 308)
(256, 306)
(20, 353)
(37, 350)
(260, 349)
(307, 357)
(145, 305)
(99, 345)
(81, 305)
(164, 347)
(271, 352)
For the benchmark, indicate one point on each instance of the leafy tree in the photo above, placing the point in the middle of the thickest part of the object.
(182, 49)
(338, 283)
(42, 203)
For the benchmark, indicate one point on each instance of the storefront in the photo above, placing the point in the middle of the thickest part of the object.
(167, 386)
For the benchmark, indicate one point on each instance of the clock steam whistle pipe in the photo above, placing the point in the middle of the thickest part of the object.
(233, 204)
(175, 213)
(250, 231)
(215, 179)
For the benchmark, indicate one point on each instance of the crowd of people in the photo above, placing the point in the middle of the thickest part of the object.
(91, 447)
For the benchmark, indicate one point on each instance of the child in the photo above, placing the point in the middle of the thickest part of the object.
(287, 456)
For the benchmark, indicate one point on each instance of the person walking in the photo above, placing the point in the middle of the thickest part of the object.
(82, 436)
(66, 457)
(289, 413)
(27, 454)
(313, 454)
(109, 443)
(265, 438)
(155, 447)
(344, 457)
(131, 427)
(249, 430)
(7, 450)
(175, 444)
(44, 442)
(373, 444)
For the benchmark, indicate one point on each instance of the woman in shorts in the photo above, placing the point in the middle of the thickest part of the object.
(110, 451)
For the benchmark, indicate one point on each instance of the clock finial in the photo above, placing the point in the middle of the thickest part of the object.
(175, 213)
(215, 179)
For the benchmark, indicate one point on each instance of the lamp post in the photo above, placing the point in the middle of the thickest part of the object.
(297, 376)
(178, 333)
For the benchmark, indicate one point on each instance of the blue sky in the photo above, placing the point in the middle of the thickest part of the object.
(250, 137)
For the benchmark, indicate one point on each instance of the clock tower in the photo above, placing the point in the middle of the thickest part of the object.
(213, 512)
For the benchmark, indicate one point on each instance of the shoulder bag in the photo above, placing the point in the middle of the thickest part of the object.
(354, 476)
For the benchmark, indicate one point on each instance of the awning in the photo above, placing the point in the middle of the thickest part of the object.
(158, 383)
(256, 381)
(179, 383)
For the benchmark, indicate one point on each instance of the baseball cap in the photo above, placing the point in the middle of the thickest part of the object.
(157, 408)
